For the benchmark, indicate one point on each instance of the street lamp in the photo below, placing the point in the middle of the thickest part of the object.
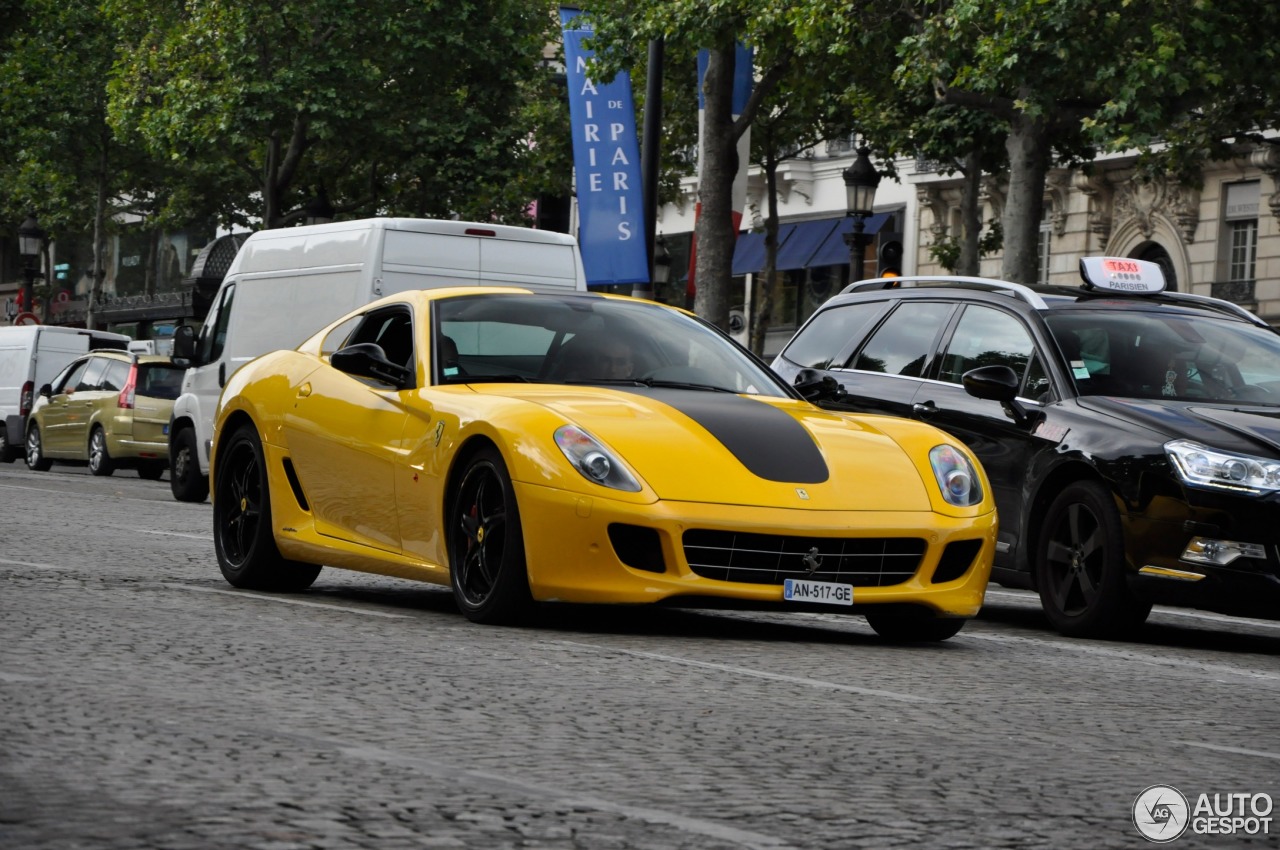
(318, 210)
(860, 182)
(30, 247)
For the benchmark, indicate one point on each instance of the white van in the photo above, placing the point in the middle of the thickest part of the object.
(286, 284)
(30, 357)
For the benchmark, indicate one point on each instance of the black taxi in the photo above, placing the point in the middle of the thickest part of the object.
(1131, 435)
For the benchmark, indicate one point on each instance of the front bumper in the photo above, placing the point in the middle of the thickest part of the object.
(571, 556)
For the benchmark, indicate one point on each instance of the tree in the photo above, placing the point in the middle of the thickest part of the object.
(389, 105)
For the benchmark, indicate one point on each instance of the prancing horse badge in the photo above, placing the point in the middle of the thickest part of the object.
(802, 493)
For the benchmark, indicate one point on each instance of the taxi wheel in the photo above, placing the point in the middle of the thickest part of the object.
(1080, 566)
(486, 545)
(185, 480)
(913, 627)
(35, 451)
(6, 451)
(100, 462)
(242, 531)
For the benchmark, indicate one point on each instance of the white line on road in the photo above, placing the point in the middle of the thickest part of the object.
(263, 597)
(115, 497)
(1238, 750)
(30, 564)
(1068, 645)
(759, 674)
(1030, 597)
(16, 677)
(176, 534)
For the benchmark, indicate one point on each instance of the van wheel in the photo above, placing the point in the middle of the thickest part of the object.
(35, 451)
(185, 480)
(100, 462)
(1080, 566)
(486, 545)
(7, 454)
(151, 470)
(243, 536)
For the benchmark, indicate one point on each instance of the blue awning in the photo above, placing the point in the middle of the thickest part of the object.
(807, 237)
(748, 253)
(834, 251)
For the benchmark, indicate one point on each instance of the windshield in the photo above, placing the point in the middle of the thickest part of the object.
(588, 340)
(1148, 355)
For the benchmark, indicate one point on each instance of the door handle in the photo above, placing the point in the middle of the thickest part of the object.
(924, 409)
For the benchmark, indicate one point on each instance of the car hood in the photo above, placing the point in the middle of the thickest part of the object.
(731, 449)
(1252, 429)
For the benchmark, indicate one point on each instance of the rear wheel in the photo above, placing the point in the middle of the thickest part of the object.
(486, 545)
(1080, 566)
(151, 470)
(185, 480)
(242, 532)
(35, 450)
(913, 626)
(100, 462)
(7, 453)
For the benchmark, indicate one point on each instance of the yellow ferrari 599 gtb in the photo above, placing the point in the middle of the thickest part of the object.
(525, 448)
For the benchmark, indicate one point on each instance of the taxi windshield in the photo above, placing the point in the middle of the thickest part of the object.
(1136, 354)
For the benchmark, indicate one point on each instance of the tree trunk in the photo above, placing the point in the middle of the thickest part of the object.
(970, 215)
(1028, 146)
(713, 272)
(270, 191)
(766, 284)
(99, 223)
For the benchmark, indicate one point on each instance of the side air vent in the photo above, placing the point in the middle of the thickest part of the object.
(638, 547)
(295, 485)
(956, 560)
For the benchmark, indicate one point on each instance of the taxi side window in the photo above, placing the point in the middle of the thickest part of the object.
(70, 378)
(91, 378)
(985, 336)
(116, 375)
(1037, 386)
(903, 344)
(831, 332)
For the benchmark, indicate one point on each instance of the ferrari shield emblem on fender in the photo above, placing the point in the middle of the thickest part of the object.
(802, 493)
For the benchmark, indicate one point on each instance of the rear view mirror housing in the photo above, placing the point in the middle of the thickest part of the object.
(816, 386)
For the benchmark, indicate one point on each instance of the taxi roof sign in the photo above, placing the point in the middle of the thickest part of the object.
(1122, 276)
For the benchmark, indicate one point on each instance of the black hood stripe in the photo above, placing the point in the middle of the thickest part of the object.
(767, 441)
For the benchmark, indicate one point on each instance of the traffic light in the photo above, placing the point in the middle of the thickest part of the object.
(888, 254)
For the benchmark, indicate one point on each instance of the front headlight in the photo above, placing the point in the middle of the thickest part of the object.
(1202, 466)
(593, 460)
(956, 476)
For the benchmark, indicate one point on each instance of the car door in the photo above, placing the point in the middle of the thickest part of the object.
(884, 373)
(344, 437)
(984, 335)
(89, 394)
(56, 411)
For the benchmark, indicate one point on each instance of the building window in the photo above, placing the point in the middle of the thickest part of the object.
(1241, 216)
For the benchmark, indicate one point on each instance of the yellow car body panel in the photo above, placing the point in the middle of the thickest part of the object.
(360, 475)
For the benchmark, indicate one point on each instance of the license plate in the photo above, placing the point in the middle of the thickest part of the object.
(822, 592)
(166, 429)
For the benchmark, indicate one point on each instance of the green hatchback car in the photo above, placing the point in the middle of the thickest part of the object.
(109, 409)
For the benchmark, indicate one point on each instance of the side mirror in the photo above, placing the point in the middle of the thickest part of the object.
(184, 345)
(47, 390)
(368, 360)
(816, 387)
(997, 383)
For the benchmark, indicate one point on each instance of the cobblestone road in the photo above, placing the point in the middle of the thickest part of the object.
(145, 704)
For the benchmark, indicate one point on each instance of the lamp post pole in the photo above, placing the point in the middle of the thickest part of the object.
(860, 182)
(30, 246)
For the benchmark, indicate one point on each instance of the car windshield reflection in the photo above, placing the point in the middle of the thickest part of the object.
(1145, 355)
(588, 340)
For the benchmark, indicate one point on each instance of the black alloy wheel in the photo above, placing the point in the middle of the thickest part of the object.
(35, 450)
(242, 533)
(100, 462)
(486, 545)
(1080, 566)
(185, 480)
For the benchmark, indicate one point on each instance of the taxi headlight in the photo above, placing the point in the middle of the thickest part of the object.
(957, 478)
(1201, 466)
(596, 463)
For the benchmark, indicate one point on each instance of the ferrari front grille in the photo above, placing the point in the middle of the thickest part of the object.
(772, 558)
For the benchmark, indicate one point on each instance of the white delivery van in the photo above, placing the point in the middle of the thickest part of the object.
(286, 284)
(30, 357)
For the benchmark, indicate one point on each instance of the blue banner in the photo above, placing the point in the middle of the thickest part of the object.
(606, 163)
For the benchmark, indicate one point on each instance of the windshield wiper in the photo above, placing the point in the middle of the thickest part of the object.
(487, 379)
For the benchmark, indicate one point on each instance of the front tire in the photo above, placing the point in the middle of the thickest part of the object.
(36, 460)
(242, 531)
(487, 567)
(1080, 566)
(185, 480)
(913, 626)
(100, 462)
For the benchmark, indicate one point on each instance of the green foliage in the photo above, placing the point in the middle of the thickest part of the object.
(945, 251)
